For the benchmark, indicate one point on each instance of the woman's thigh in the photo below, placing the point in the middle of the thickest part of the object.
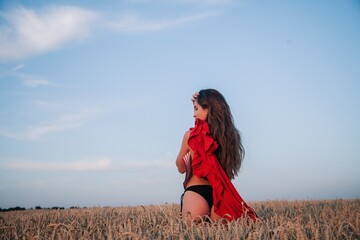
(194, 206)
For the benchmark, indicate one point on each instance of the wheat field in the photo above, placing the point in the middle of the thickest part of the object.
(321, 219)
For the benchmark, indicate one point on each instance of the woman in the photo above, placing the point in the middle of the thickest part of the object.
(211, 155)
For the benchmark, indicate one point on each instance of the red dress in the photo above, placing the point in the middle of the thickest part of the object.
(227, 201)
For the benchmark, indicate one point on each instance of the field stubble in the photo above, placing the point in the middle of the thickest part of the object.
(325, 219)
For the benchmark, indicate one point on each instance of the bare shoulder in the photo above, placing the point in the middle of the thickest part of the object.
(187, 135)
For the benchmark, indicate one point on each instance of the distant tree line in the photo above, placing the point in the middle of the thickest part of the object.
(12, 209)
(17, 208)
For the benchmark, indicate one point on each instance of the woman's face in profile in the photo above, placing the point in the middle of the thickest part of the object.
(199, 112)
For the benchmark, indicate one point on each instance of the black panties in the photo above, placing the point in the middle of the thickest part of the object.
(204, 190)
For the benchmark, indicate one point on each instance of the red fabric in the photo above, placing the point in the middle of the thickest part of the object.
(227, 201)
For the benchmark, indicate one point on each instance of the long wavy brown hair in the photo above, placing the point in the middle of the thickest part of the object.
(230, 152)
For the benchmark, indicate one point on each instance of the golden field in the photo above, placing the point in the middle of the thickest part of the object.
(320, 219)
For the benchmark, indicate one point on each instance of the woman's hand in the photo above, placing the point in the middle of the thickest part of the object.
(187, 158)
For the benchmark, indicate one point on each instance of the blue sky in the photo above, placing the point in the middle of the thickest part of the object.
(95, 97)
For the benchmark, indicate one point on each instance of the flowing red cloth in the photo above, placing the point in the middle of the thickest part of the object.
(227, 201)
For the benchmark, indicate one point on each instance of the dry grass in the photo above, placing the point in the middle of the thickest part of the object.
(331, 219)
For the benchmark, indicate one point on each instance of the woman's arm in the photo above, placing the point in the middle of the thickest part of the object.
(183, 151)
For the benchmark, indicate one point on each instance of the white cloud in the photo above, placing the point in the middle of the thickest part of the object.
(40, 131)
(28, 32)
(208, 1)
(3, 187)
(134, 23)
(62, 123)
(138, 165)
(33, 80)
(35, 133)
(17, 67)
(80, 116)
(29, 80)
(101, 164)
(104, 164)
